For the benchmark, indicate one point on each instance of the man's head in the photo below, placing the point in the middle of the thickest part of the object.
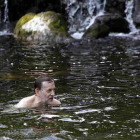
(40, 80)
(45, 88)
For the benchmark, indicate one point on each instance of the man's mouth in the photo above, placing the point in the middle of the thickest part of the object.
(51, 97)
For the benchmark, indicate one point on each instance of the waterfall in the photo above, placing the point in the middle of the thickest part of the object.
(5, 25)
(129, 14)
(104, 4)
(82, 15)
(6, 18)
(0, 15)
(4, 14)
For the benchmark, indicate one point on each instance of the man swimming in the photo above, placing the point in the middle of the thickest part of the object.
(44, 89)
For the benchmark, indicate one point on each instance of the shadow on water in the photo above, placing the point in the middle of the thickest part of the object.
(97, 83)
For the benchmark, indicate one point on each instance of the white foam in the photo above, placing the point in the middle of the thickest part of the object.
(72, 120)
(49, 116)
(109, 108)
(77, 35)
(88, 111)
(5, 32)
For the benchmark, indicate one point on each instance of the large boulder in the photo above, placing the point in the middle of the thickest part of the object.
(136, 13)
(46, 27)
(115, 22)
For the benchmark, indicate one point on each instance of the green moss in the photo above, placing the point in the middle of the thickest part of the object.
(38, 15)
(56, 23)
(24, 34)
(18, 31)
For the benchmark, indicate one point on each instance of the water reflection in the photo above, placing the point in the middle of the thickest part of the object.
(98, 85)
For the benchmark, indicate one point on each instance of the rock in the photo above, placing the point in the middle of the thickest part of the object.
(97, 30)
(18, 31)
(45, 27)
(136, 14)
(105, 24)
(115, 22)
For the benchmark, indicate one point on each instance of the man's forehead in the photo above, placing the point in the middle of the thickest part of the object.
(46, 84)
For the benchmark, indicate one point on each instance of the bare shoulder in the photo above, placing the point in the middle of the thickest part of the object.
(55, 102)
(25, 102)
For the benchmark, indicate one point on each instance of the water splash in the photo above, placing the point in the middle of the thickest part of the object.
(83, 14)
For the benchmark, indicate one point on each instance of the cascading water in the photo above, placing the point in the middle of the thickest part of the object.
(4, 14)
(129, 13)
(6, 18)
(0, 15)
(82, 15)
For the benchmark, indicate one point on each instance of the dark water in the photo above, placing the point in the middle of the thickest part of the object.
(98, 84)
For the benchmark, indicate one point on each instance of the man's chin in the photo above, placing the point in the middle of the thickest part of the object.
(50, 101)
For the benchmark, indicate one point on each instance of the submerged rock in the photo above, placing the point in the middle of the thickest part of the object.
(45, 27)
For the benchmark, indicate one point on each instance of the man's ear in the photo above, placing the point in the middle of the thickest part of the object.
(37, 92)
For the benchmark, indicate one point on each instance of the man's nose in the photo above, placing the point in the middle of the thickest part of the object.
(53, 93)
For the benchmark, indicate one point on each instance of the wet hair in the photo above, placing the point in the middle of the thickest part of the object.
(40, 79)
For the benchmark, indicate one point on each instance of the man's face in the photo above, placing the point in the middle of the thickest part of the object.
(47, 92)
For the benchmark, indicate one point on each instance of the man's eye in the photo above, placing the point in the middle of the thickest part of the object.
(49, 90)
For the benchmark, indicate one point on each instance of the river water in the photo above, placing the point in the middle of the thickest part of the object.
(97, 82)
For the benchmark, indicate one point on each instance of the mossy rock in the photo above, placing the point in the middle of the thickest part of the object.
(19, 32)
(56, 23)
(47, 27)
(97, 31)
